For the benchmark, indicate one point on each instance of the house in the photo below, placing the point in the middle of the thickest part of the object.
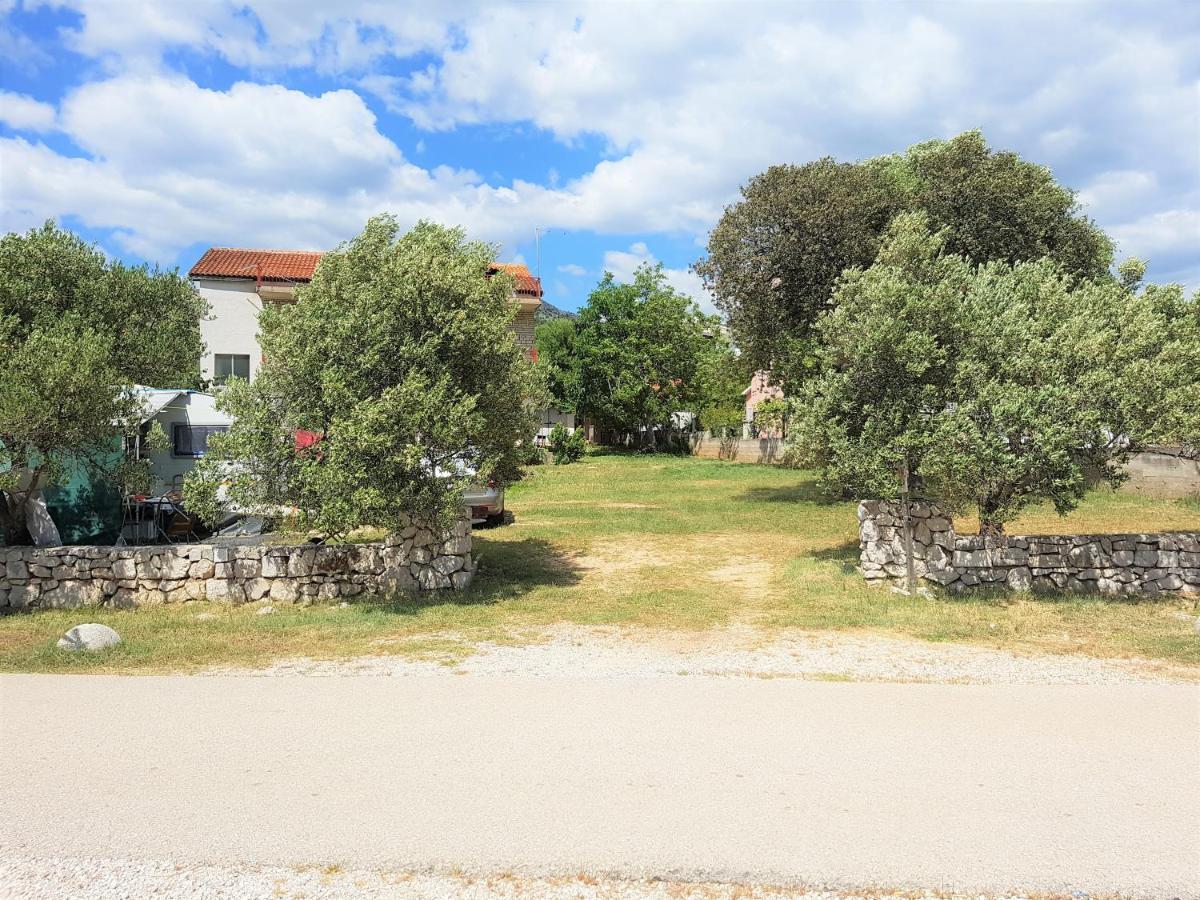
(237, 282)
(761, 389)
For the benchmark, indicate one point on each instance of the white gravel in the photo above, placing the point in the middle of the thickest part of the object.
(107, 879)
(743, 652)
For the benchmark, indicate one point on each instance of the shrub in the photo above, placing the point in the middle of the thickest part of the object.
(566, 446)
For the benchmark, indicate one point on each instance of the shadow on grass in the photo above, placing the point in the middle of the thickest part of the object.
(845, 554)
(507, 569)
(807, 491)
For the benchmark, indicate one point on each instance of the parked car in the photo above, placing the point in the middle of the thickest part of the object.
(485, 503)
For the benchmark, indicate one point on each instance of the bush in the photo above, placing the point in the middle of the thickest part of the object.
(566, 446)
(532, 454)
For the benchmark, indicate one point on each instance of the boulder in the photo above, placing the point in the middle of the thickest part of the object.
(90, 636)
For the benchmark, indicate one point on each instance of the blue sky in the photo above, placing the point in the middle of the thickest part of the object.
(622, 129)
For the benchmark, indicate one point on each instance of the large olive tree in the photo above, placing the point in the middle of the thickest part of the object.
(76, 332)
(997, 385)
(775, 256)
(393, 380)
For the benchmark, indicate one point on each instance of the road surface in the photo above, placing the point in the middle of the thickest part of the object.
(981, 787)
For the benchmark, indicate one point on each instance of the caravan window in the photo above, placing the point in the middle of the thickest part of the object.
(192, 440)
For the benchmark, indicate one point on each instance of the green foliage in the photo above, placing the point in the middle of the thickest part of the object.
(558, 362)
(400, 358)
(775, 257)
(531, 454)
(639, 348)
(76, 332)
(567, 447)
(721, 377)
(997, 385)
(771, 415)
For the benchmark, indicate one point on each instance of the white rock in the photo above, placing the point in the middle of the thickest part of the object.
(90, 636)
(266, 611)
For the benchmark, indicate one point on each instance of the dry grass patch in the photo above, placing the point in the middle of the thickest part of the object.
(654, 546)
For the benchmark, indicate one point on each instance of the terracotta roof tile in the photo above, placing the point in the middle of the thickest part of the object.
(523, 280)
(299, 265)
(269, 265)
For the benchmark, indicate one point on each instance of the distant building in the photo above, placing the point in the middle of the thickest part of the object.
(238, 282)
(761, 388)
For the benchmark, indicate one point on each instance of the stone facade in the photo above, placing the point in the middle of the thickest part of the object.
(415, 560)
(1141, 564)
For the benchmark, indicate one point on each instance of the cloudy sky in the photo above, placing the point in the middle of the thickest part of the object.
(622, 129)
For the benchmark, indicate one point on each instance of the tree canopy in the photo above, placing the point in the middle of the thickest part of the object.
(775, 256)
(76, 332)
(639, 346)
(398, 367)
(997, 385)
(558, 361)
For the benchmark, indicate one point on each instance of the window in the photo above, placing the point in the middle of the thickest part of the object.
(192, 440)
(230, 365)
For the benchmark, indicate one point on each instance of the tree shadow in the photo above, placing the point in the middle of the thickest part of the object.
(507, 570)
(845, 554)
(807, 491)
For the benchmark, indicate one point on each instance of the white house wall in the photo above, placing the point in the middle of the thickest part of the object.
(232, 322)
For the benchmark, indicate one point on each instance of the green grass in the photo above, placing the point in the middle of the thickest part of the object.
(655, 542)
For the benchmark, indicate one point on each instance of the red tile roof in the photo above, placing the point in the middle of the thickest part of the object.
(269, 265)
(524, 281)
(299, 265)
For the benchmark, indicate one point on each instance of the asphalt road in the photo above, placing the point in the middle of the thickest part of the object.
(1091, 788)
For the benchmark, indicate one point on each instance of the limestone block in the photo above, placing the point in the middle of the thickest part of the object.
(175, 567)
(941, 576)
(1170, 582)
(421, 556)
(257, 588)
(274, 566)
(89, 637)
(1122, 557)
(1168, 559)
(23, 596)
(73, 594)
(447, 565)
(428, 579)
(457, 546)
(1019, 578)
(460, 580)
(222, 590)
(1145, 557)
(285, 590)
(246, 569)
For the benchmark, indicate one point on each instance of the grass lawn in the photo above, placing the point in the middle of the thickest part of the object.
(662, 542)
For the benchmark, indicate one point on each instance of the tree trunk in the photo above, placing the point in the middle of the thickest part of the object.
(13, 518)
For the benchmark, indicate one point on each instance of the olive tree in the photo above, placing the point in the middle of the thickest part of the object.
(775, 256)
(392, 381)
(77, 331)
(995, 385)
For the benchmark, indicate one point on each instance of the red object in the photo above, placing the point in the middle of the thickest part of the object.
(306, 439)
(533, 354)
(299, 265)
(524, 282)
(261, 265)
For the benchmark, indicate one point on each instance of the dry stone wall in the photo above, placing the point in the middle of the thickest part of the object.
(416, 560)
(1135, 564)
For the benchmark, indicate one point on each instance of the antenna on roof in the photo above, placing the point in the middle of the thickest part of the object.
(537, 246)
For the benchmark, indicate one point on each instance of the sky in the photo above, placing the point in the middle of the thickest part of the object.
(620, 130)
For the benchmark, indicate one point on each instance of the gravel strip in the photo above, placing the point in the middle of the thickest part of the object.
(742, 652)
(106, 879)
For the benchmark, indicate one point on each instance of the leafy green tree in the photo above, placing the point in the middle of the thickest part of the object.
(775, 256)
(721, 377)
(639, 347)
(76, 332)
(398, 368)
(997, 385)
(558, 361)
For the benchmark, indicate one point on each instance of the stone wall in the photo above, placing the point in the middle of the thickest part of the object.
(415, 560)
(750, 450)
(1142, 564)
